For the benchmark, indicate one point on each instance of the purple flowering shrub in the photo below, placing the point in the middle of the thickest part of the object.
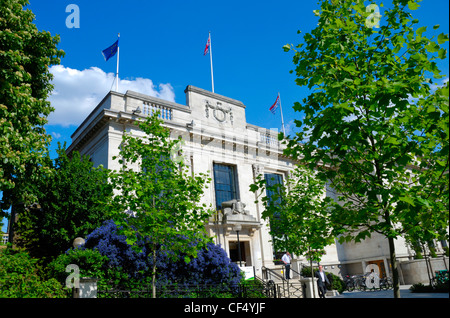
(211, 266)
(110, 243)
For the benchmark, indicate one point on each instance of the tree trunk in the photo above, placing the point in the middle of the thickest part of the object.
(154, 275)
(312, 275)
(395, 277)
(392, 256)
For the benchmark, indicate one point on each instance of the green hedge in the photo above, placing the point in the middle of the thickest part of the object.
(421, 288)
(19, 277)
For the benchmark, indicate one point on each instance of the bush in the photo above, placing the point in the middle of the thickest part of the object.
(211, 267)
(19, 278)
(120, 256)
(336, 282)
(134, 269)
(441, 287)
(90, 264)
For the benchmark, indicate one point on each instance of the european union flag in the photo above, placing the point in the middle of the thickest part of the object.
(111, 51)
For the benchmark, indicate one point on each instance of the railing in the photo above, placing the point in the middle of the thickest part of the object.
(269, 138)
(149, 108)
(267, 273)
(248, 290)
(285, 288)
(270, 290)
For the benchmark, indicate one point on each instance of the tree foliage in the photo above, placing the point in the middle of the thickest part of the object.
(20, 277)
(298, 213)
(70, 196)
(25, 56)
(159, 194)
(376, 124)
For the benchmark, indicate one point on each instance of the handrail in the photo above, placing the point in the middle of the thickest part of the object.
(272, 272)
(282, 277)
(286, 287)
(270, 290)
(293, 270)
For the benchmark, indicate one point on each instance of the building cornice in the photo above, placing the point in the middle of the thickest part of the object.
(222, 98)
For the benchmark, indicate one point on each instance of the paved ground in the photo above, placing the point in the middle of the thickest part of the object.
(404, 293)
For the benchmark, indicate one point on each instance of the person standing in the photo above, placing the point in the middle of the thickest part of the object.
(287, 262)
(322, 281)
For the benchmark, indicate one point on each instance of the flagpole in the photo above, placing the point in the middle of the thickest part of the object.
(281, 111)
(210, 57)
(117, 71)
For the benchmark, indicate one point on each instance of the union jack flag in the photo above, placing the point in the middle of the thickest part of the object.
(208, 43)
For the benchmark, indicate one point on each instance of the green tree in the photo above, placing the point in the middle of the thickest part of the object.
(25, 57)
(70, 199)
(156, 195)
(298, 212)
(374, 126)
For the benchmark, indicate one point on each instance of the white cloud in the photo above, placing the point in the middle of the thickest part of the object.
(436, 86)
(56, 135)
(289, 127)
(76, 93)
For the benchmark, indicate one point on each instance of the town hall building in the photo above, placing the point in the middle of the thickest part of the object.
(219, 141)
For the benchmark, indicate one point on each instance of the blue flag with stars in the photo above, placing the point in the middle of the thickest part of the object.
(110, 51)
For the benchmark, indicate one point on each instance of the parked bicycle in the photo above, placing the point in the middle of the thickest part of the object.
(359, 282)
(386, 283)
(440, 278)
(349, 283)
(355, 282)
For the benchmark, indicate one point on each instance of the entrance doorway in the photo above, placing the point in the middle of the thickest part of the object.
(380, 264)
(245, 252)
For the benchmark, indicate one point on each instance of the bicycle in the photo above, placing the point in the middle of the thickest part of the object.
(360, 282)
(349, 283)
(386, 283)
(441, 278)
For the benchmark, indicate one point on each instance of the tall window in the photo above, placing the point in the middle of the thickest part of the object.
(225, 183)
(273, 179)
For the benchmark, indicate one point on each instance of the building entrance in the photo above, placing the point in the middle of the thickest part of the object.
(380, 264)
(244, 248)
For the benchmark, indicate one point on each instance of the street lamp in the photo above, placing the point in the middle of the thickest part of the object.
(84, 287)
(237, 228)
(79, 241)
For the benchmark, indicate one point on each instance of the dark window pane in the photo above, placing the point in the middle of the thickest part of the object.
(273, 179)
(224, 183)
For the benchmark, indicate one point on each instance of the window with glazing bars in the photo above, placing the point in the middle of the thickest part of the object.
(273, 179)
(225, 184)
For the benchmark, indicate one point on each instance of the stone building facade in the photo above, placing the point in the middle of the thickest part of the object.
(219, 141)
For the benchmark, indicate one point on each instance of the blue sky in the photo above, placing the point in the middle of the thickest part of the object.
(161, 52)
